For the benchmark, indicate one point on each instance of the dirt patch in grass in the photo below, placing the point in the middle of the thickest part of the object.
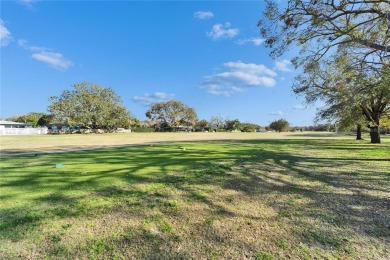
(264, 199)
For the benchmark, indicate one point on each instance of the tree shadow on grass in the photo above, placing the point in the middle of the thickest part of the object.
(354, 201)
(313, 134)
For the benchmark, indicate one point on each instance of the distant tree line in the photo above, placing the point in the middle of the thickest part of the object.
(342, 53)
(92, 108)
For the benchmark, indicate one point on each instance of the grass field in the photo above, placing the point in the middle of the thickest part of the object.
(295, 197)
(37, 143)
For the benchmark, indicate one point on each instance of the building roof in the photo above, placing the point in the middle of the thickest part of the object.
(11, 123)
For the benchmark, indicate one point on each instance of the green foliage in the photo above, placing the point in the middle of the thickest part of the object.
(249, 127)
(232, 125)
(172, 114)
(280, 125)
(343, 52)
(143, 129)
(352, 96)
(202, 124)
(216, 122)
(385, 124)
(30, 118)
(90, 105)
(45, 120)
(263, 256)
(321, 27)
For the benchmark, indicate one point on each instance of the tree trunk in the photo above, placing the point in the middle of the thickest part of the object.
(374, 134)
(359, 132)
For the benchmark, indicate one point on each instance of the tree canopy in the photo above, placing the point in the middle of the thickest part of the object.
(350, 96)
(202, 125)
(249, 127)
(172, 114)
(279, 125)
(318, 27)
(31, 118)
(232, 125)
(344, 53)
(216, 122)
(89, 105)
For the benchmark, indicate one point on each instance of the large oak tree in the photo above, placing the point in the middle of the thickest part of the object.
(172, 114)
(328, 29)
(279, 125)
(349, 96)
(90, 105)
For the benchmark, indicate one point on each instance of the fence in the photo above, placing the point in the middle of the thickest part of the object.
(23, 131)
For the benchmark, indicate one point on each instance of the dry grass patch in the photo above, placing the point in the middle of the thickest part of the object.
(58, 143)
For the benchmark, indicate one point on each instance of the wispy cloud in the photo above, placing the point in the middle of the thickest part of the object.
(148, 99)
(277, 113)
(222, 31)
(283, 65)
(299, 107)
(254, 41)
(5, 35)
(53, 59)
(24, 44)
(240, 76)
(45, 55)
(203, 15)
(28, 3)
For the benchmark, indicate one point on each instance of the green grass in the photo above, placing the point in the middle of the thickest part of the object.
(258, 199)
(38, 143)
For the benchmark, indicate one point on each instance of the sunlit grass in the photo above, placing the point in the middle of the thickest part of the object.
(38, 143)
(292, 198)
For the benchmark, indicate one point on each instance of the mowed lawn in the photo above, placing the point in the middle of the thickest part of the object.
(288, 198)
(37, 143)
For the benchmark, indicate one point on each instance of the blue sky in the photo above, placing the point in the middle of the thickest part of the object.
(206, 54)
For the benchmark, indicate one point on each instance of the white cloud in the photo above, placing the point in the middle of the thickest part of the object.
(283, 65)
(28, 3)
(254, 41)
(148, 99)
(250, 68)
(277, 113)
(203, 15)
(219, 90)
(220, 31)
(24, 44)
(5, 35)
(299, 107)
(53, 59)
(45, 55)
(239, 78)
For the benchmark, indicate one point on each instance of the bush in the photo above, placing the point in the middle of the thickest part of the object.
(143, 129)
(280, 125)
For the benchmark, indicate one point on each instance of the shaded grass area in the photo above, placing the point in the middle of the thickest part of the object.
(255, 199)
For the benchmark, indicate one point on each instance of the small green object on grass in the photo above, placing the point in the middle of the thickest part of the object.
(59, 165)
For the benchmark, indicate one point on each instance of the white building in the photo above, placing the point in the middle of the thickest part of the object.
(16, 128)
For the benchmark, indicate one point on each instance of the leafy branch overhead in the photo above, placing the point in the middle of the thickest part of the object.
(319, 27)
(344, 51)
